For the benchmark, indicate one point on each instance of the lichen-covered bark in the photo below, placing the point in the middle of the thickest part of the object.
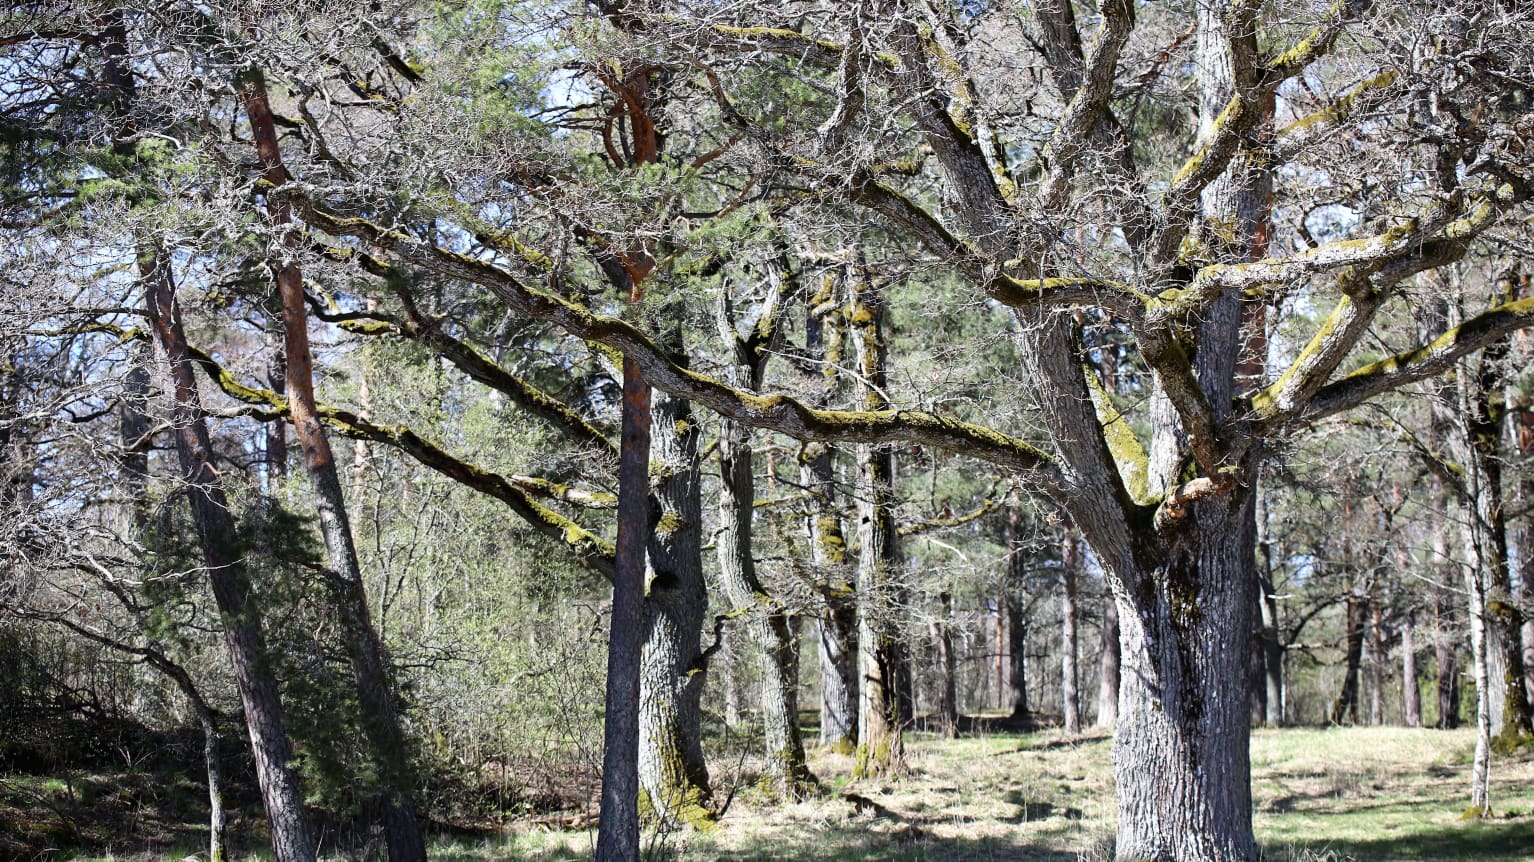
(766, 619)
(1180, 756)
(673, 778)
(881, 733)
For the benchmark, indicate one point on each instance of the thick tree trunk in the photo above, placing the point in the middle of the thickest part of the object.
(387, 745)
(673, 777)
(1108, 666)
(1070, 574)
(280, 794)
(837, 631)
(1181, 748)
(1411, 691)
(948, 687)
(1345, 707)
(766, 619)
(618, 832)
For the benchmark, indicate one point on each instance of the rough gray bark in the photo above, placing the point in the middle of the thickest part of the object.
(280, 793)
(673, 778)
(1474, 570)
(881, 734)
(387, 745)
(836, 619)
(766, 619)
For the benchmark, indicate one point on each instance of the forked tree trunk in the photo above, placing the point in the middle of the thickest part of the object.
(387, 746)
(280, 794)
(673, 778)
(1070, 574)
(766, 619)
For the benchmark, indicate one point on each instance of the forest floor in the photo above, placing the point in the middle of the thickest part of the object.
(1331, 795)
(1320, 796)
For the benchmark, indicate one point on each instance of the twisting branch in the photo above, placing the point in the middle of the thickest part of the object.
(779, 413)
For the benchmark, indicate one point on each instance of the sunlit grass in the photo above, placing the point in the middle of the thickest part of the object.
(1338, 795)
(1333, 795)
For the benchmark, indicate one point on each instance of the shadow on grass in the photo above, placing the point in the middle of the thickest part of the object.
(1483, 841)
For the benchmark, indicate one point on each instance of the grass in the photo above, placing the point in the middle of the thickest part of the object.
(1332, 795)
(1319, 796)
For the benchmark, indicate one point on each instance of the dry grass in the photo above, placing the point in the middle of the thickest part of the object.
(1320, 796)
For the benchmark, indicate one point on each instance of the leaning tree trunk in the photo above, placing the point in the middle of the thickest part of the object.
(766, 619)
(387, 746)
(136, 440)
(241, 617)
(673, 779)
